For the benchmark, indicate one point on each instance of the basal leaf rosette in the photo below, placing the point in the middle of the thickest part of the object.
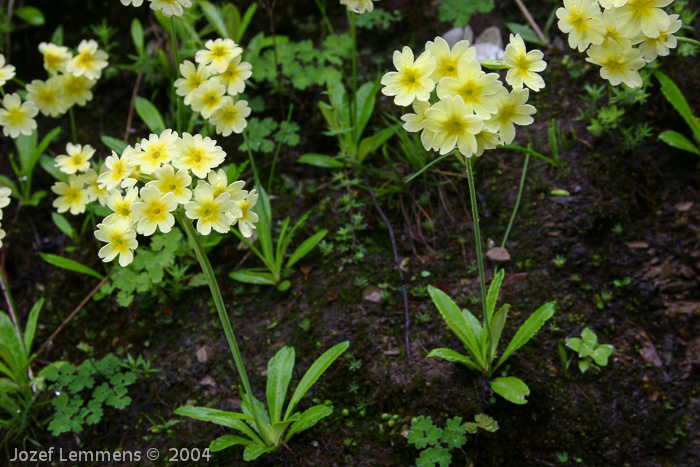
(609, 30)
(211, 85)
(456, 103)
(162, 177)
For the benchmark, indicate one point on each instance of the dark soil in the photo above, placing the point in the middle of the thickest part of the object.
(641, 410)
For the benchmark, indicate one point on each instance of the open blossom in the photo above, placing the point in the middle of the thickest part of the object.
(7, 72)
(212, 212)
(120, 239)
(619, 63)
(121, 204)
(653, 47)
(247, 219)
(198, 154)
(170, 7)
(230, 116)
(155, 151)
(646, 17)
(412, 80)
(17, 117)
(76, 89)
(582, 20)
(208, 97)
(177, 183)
(56, 57)
(446, 59)
(117, 169)
(47, 96)
(475, 87)
(512, 110)
(72, 195)
(415, 122)
(77, 158)
(523, 66)
(89, 62)
(358, 6)
(454, 125)
(153, 211)
(235, 74)
(218, 54)
(192, 78)
(132, 2)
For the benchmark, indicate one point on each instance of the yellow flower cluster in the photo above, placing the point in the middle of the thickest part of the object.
(4, 201)
(474, 111)
(166, 164)
(210, 87)
(81, 187)
(610, 29)
(167, 7)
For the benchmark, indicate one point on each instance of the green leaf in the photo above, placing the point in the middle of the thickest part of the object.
(6, 182)
(674, 95)
(452, 356)
(423, 432)
(372, 143)
(678, 141)
(601, 354)
(31, 15)
(320, 160)
(315, 372)
(213, 15)
(150, 115)
(458, 324)
(511, 389)
(306, 247)
(254, 451)
(492, 294)
(526, 33)
(497, 325)
(308, 419)
(574, 343)
(11, 351)
(30, 329)
(220, 417)
(116, 145)
(137, 36)
(48, 164)
(57, 36)
(279, 374)
(364, 106)
(247, 18)
(252, 276)
(64, 225)
(223, 442)
(69, 264)
(528, 329)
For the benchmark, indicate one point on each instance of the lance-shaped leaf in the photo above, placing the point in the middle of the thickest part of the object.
(528, 329)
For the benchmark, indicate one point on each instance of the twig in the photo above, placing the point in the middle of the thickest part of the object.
(531, 20)
(75, 312)
(131, 105)
(407, 324)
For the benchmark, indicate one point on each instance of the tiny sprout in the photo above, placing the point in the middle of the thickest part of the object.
(559, 261)
(617, 229)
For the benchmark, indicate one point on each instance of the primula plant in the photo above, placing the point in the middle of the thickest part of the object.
(474, 112)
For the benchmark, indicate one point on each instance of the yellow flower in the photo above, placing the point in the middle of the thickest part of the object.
(4, 198)
(523, 66)
(446, 59)
(235, 74)
(17, 117)
(608, 4)
(512, 110)
(77, 160)
(192, 78)
(200, 155)
(132, 2)
(117, 169)
(230, 117)
(218, 54)
(582, 21)
(247, 218)
(76, 89)
(453, 125)
(412, 80)
(56, 57)
(47, 96)
(121, 205)
(170, 7)
(210, 212)
(7, 72)
(72, 195)
(476, 88)
(619, 62)
(89, 62)
(120, 239)
(651, 48)
(155, 151)
(486, 139)
(358, 6)
(416, 122)
(177, 183)
(219, 181)
(208, 97)
(154, 211)
(646, 17)
(92, 187)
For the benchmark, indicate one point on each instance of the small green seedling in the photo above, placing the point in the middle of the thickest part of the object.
(436, 443)
(266, 435)
(589, 350)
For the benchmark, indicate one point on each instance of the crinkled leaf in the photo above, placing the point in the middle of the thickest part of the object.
(423, 432)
